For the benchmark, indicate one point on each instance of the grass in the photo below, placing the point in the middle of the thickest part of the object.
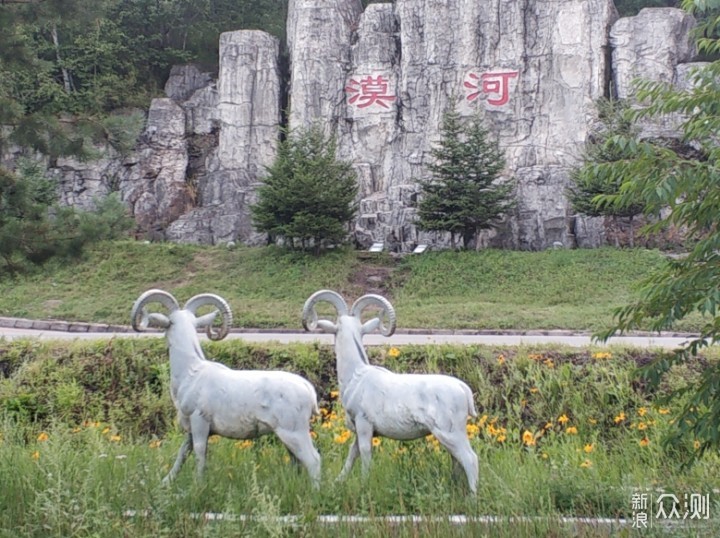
(86, 433)
(491, 289)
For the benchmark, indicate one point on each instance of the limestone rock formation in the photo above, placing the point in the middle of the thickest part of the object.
(380, 80)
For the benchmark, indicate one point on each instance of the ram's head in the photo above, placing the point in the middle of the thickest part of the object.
(349, 319)
(181, 319)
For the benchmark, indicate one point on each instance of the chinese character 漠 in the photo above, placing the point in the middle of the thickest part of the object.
(369, 91)
(496, 85)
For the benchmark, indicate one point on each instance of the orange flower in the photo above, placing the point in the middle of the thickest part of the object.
(571, 430)
(589, 448)
(43, 437)
(528, 438)
(501, 360)
(563, 419)
(644, 441)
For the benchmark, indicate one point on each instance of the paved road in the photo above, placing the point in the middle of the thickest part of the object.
(667, 342)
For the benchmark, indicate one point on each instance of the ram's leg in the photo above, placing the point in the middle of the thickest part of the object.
(301, 447)
(200, 432)
(351, 457)
(185, 449)
(460, 449)
(364, 432)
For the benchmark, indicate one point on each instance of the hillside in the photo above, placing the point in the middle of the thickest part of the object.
(491, 289)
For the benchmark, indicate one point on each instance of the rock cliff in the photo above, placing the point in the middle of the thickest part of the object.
(380, 80)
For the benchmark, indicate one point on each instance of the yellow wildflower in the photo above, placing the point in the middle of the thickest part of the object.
(619, 418)
(482, 421)
(544, 455)
(334, 393)
(696, 444)
(472, 430)
(501, 438)
(155, 443)
(641, 425)
(586, 464)
(528, 438)
(549, 363)
(394, 352)
(592, 421)
(644, 441)
(534, 390)
(642, 411)
(601, 355)
(664, 411)
(36, 455)
(43, 437)
(548, 425)
(376, 441)
(106, 430)
(313, 435)
(343, 437)
(75, 430)
(501, 360)
(213, 439)
(535, 356)
(115, 438)
(588, 448)
(563, 419)
(571, 430)
(247, 443)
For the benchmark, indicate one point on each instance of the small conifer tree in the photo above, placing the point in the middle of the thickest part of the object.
(308, 197)
(463, 196)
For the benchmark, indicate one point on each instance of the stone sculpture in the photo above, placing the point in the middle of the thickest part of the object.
(211, 398)
(379, 402)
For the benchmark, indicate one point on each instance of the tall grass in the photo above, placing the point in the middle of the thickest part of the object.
(491, 289)
(87, 433)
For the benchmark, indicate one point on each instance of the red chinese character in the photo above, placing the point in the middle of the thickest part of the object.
(490, 83)
(369, 91)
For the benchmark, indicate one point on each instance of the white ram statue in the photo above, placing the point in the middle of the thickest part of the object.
(379, 402)
(211, 398)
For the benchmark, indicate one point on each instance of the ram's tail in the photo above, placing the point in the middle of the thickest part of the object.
(471, 402)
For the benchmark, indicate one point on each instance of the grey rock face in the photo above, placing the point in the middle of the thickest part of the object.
(154, 182)
(247, 117)
(650, 46)
(380, 80)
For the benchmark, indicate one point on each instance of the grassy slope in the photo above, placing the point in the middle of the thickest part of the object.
(571, 289)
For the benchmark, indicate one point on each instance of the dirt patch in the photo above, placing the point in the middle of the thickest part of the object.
(371, 278)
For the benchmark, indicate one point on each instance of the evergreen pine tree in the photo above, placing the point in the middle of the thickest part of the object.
(463, 196)
(308, 197)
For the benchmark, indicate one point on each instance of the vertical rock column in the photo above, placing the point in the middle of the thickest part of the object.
(248, 116)
(319, 34)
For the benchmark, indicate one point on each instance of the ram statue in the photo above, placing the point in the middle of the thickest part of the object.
(379, 402)
(211, 398)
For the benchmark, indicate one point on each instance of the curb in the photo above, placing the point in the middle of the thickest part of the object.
(84, 327)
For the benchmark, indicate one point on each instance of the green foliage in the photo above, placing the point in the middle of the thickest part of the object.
(588, 180)
(33, 229)
(308, 197)
(463, 196)
(663, 179)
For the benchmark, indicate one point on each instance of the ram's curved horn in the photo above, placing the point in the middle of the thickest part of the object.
(387, 311)
(139, 315)
(223, 307)
(309, 316)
